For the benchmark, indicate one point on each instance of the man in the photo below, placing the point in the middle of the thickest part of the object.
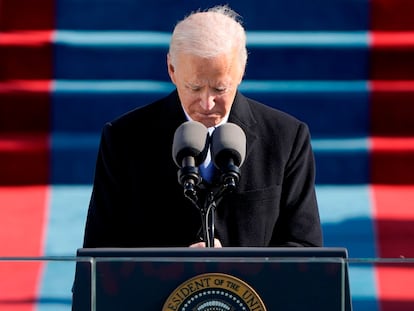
(137, 200)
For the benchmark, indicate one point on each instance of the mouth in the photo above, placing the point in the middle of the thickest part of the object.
(208, 119)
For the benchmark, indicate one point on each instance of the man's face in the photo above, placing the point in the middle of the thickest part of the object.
(206, 87)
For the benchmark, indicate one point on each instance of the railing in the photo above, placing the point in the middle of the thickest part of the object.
(46, 283)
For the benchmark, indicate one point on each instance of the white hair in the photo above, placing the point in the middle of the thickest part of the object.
(209, 33)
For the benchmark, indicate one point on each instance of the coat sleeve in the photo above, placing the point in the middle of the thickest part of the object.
(100, 228)
(299, 221)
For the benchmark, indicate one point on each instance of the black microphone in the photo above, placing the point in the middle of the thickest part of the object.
(228, 149)
(189, 150)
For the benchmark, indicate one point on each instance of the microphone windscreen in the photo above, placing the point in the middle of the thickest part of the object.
(228, 142)
(190, 140)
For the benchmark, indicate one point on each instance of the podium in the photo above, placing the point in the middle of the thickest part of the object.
(187, 279)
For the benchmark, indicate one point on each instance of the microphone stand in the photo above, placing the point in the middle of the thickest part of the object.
(207, 213)
(229, 182)
(208, 209)
(207, 219)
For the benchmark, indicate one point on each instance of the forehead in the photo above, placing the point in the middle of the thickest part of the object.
(199, 67)
(215, 79)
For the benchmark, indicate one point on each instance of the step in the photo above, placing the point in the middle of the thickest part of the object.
(392, 55)
(69, 158)
(27, 15)
(376, 160)
(163, 15)
(276, 55)
(353, 160)
(342, 160)
(331, 108)
(347, 217)
(392, 160)
(26, 55)
(339, 161)
(392, 15)
(294, 55)
(73, 157)
(392, 108)
(24, 158)
(25, 106)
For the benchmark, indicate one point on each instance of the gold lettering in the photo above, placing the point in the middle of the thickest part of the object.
(174, 302)
(233, 286)
(251, 301)
(202, 283)
(172, 307)
(185, 291)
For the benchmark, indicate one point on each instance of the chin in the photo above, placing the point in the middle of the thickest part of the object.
(208, 121)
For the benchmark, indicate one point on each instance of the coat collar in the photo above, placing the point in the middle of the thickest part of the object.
(241, 114)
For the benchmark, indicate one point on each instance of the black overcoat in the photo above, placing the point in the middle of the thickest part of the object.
(137, 200)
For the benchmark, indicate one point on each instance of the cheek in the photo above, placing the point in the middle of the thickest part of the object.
(188, 100)
(224, 104)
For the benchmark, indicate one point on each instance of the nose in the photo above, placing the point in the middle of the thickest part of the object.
(207, 100)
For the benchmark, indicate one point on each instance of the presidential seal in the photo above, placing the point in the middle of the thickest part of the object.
(214, 292)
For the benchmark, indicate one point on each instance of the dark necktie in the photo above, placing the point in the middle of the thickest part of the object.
(207, 167)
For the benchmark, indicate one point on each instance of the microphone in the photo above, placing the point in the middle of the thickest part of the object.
(228, 150)
(189, 150)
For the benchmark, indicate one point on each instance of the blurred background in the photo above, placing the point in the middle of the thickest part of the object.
(345, 67)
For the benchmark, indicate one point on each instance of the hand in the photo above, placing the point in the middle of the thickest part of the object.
(217, 244)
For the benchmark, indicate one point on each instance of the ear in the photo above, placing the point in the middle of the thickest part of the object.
(171, 69)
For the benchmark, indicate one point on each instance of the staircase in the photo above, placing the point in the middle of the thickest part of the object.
(345, 67)
(25, 75)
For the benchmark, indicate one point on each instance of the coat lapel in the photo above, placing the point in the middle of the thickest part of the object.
(242, 115)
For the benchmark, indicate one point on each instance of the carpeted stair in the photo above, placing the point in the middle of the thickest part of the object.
(346, 67)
